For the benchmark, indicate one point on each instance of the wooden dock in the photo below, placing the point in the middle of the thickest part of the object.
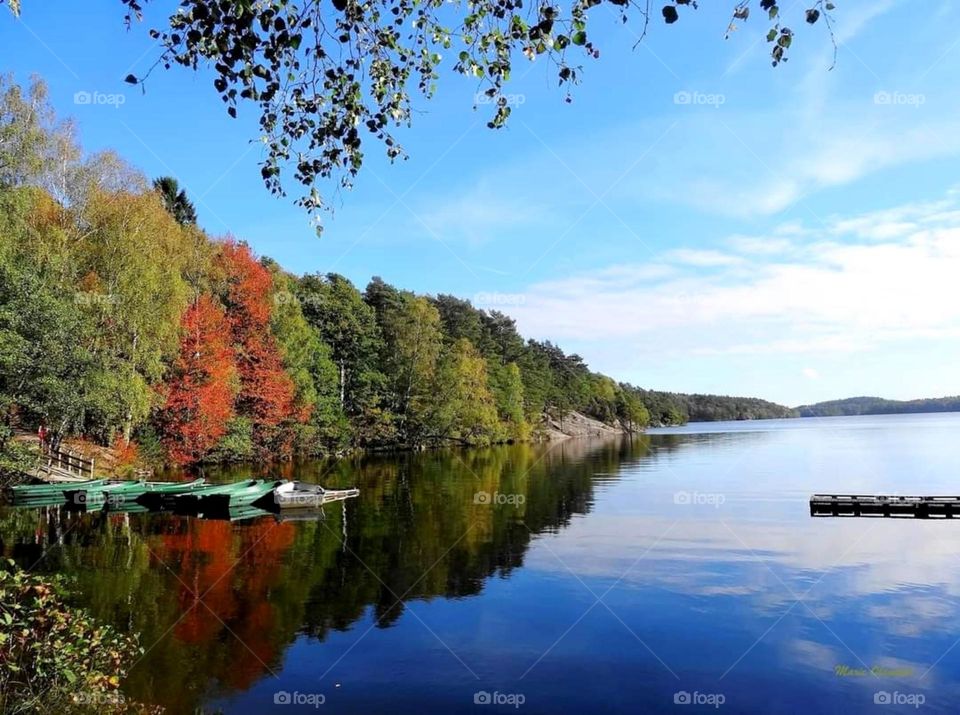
(918, 507)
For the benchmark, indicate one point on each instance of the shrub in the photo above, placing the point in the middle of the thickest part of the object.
(55, 657)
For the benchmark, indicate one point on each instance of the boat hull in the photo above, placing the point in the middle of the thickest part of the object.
(299, 495)
(249, 496)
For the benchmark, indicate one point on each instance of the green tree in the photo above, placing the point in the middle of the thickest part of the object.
(45, 366)
(631, 411)
(308, 361)
(506, 384)
(176, 201)
(348, 325)
(128, 271)
(30, 134)
(412, 339)
(464, 408)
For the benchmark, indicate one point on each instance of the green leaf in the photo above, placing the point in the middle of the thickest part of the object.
(771, 36)
(579, 38)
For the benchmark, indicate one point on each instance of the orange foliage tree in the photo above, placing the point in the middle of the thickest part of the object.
(200, 393)
(266, 391)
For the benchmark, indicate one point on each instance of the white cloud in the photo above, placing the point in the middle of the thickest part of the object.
(810, 373)
(843, 291)
(702, 258)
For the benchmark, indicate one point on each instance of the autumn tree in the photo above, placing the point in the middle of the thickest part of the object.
(202, 386)
(130, 286)
(266, 394)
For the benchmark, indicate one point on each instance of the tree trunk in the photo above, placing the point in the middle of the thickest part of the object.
(128, 418)
(343, 381)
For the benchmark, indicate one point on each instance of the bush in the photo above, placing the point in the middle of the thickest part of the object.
(54, 657)
(237, 444)
(16, 458)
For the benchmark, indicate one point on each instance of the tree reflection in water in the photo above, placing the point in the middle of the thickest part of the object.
(216, 602)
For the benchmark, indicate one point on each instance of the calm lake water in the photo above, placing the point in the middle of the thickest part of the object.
(622, 576)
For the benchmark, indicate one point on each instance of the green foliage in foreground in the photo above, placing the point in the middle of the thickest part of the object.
(54, 657)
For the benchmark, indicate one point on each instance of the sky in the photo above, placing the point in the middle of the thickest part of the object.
(695, 220)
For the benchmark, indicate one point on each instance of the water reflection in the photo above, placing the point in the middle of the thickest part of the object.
(420, 593)
(216, 603)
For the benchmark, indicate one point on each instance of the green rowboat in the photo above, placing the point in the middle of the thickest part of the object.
(189, 503)
(26, 492)
(247, 496)
(116, 494)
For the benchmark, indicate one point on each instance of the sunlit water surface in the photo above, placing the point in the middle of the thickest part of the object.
(622, 576)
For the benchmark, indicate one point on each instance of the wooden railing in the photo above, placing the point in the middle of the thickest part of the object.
(69, 461)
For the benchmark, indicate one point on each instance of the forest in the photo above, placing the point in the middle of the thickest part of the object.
(123, 323)
(879, 406)
(678, 408)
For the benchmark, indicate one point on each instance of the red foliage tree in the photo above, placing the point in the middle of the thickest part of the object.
(266, 390)
(200, 394)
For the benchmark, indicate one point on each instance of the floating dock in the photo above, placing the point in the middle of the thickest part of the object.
(919, 507)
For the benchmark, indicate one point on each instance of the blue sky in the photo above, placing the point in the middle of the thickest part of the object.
(695, 220)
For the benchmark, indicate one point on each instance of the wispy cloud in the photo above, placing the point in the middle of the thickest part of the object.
(851, 287)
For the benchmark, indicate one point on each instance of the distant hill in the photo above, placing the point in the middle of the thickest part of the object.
(878, 406)
(668, 408)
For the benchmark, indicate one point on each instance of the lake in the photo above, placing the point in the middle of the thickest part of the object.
(676, 571)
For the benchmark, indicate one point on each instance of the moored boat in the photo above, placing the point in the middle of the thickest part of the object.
(300, 495)
(249, 495)
(28, 492)
(115, 494)
(189, 502)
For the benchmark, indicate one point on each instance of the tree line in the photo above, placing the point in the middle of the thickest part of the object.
(123, 322)
(879, 406)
